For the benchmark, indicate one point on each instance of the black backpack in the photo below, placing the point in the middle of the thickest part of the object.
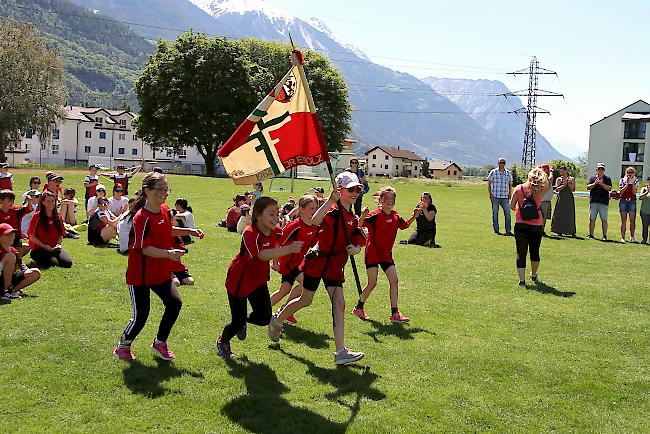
(529, 210)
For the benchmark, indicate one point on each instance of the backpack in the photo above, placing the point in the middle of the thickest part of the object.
(94, 222)
(529, 210)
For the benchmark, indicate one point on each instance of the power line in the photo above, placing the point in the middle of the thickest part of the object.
(433, 112)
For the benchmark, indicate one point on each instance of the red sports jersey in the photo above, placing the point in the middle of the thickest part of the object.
(6, 182)
(47, 233)
(91, 189)
(382, 230)
(246, 272)
(232, 217)
(297, 230)
(18, 265)
(155, 230)
(177, 266)
(332, 257)
(122, 180)
(13, 216)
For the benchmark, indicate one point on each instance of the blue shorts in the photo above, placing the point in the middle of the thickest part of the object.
(627, 205)
(598, 208)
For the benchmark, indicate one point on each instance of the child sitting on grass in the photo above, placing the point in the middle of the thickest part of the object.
(15, 275)
(244, 219)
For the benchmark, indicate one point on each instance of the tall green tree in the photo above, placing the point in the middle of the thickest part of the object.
(194, 92)
(32, 90)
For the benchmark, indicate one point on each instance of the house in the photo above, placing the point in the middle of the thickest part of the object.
(618, 141)
(95, 135)
(390, 161)
(444, 170)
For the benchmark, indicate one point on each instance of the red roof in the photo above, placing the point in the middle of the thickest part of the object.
(442, 165)
(398, 153)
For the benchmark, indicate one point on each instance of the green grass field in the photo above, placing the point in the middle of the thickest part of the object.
(571, 354)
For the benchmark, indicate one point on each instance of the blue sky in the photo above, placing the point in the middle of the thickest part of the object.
(596, 47)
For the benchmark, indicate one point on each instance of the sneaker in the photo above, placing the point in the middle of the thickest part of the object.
(398, 318)
(633, 240)
(124, 353)
(533, 277)
(346, 356)
(162, 350)
(360, 313)
(497, 232)
(291, 320)
(522, 283)
(13, 296)
(275, 329)
(223, 348)
(4, 299)
(241, 334)
(623, 240)
(591, 237)
(604, 238)
(509, 234)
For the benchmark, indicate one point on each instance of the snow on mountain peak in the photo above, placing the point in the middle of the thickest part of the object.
(217, 8)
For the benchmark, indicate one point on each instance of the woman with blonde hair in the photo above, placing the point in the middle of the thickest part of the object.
(529, 226)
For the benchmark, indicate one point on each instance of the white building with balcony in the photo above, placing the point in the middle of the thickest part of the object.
(619, 140)
(390, 161)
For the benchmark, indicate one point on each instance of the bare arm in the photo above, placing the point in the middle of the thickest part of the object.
(135, 170)
(513, 202)
(155, 252)
(319, 215)
(183, 232)
(489, 185)
(278, 252)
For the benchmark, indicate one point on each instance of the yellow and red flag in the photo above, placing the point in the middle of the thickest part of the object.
(281, 133)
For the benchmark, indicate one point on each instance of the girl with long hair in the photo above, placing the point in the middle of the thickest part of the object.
(46, 232)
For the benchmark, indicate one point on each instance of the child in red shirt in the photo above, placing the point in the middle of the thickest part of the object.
(382, 225)
(6, 178)
(300, 229)
(15, 275)
(151, 254)
(249, 273)
(333, 250)
(13, 215)
(46, 233)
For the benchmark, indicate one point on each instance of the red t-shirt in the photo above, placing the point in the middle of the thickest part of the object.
(47, 233)
(6, 182)
(382, 230)
(13, 216)
(122, 180)
(177, 266)
(18, 265)
(155, 230)
(246, 272)
(296, 230)
(232, 217)
(331, 245)
(92, 188)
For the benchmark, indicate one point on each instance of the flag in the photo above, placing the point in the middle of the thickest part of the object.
(281, 133)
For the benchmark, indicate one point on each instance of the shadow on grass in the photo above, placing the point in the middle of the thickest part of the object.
(146, 380)
(109, 245)
(401, 331)
(353, 380)
(545, 289)
(263, 409)
(312, 339)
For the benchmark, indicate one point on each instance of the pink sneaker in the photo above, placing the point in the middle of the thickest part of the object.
(124, 353)
(291, 320)
(398, 318)
(162, 350)
(360, 313)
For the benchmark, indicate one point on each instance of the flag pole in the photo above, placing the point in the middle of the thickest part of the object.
(297, 61)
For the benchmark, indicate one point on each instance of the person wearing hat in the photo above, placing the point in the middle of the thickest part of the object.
(327, 262)
(244, 219)
(31, 205)
(15, 275)
(233, 214)
(547, 210)
(599, 187)
(90, 182)
(6, 178)
(158, 169)
(122, 176)
(500, 190)
(53, 185)
(361, 175)
(93, 206)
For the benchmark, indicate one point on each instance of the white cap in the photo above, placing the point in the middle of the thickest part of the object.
(100, 187)
(347, 180)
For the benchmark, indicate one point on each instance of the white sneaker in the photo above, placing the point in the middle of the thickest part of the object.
(346, 356)
(275, 329)
(633, 240)
(623, 240)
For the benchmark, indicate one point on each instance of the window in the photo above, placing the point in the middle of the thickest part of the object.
(135, 137)
(633, 151)
(29, 133)
(387, 167)
(123, 123)
(89, 134)
(638, 172)
(120, 151)
(102, 149)
(87, 149)
(182, 153)
(386, 158)
(373, 165)
(28, 146)
(396, 167)
(169, 153)
(99, 120)
(449, 172)
(55, 148)
(455, 172)
(634, 130)
(57, 134)
(102, 135)
(121, 136)
(374, 156)
(134, 151)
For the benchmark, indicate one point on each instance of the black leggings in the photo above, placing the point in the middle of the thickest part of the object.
(421, 237)
(140, 302)
(527, 237)
(260, 315)
(45, 259)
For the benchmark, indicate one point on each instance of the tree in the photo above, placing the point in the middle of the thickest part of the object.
(425, 169)
(571, 167)
(583, 159)
(32, 90)
(194, 92)
(270, 61)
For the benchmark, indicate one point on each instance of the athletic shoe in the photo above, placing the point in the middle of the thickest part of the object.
(533, 277)
(275, 329)
(241, 334)
(522, 283)
(398, 318)
(223, 348)
(591, 237)
(509, 234)
(13, 296)
(162, 350)
(360, 313)
(633, 240)
(497, 232)
(124, 353)
(4, 299)
(604, 238)
(291, 320)
(346, 356)
(623, 240)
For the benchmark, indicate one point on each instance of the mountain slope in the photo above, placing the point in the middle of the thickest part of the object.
(102, 58)
(470, 95)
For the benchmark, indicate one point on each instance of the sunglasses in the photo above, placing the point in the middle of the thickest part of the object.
(36, 182)
(601, 168)
(355, 189)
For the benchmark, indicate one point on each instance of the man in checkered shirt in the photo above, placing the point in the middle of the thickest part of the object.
(500, 189)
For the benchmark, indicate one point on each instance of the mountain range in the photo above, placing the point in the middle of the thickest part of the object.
(390, 108)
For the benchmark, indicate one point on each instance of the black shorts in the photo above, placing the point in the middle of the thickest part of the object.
(311, 283)
(95, 238)
(16, 278)
(384, 265)
(180, 275)
(290, 277)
